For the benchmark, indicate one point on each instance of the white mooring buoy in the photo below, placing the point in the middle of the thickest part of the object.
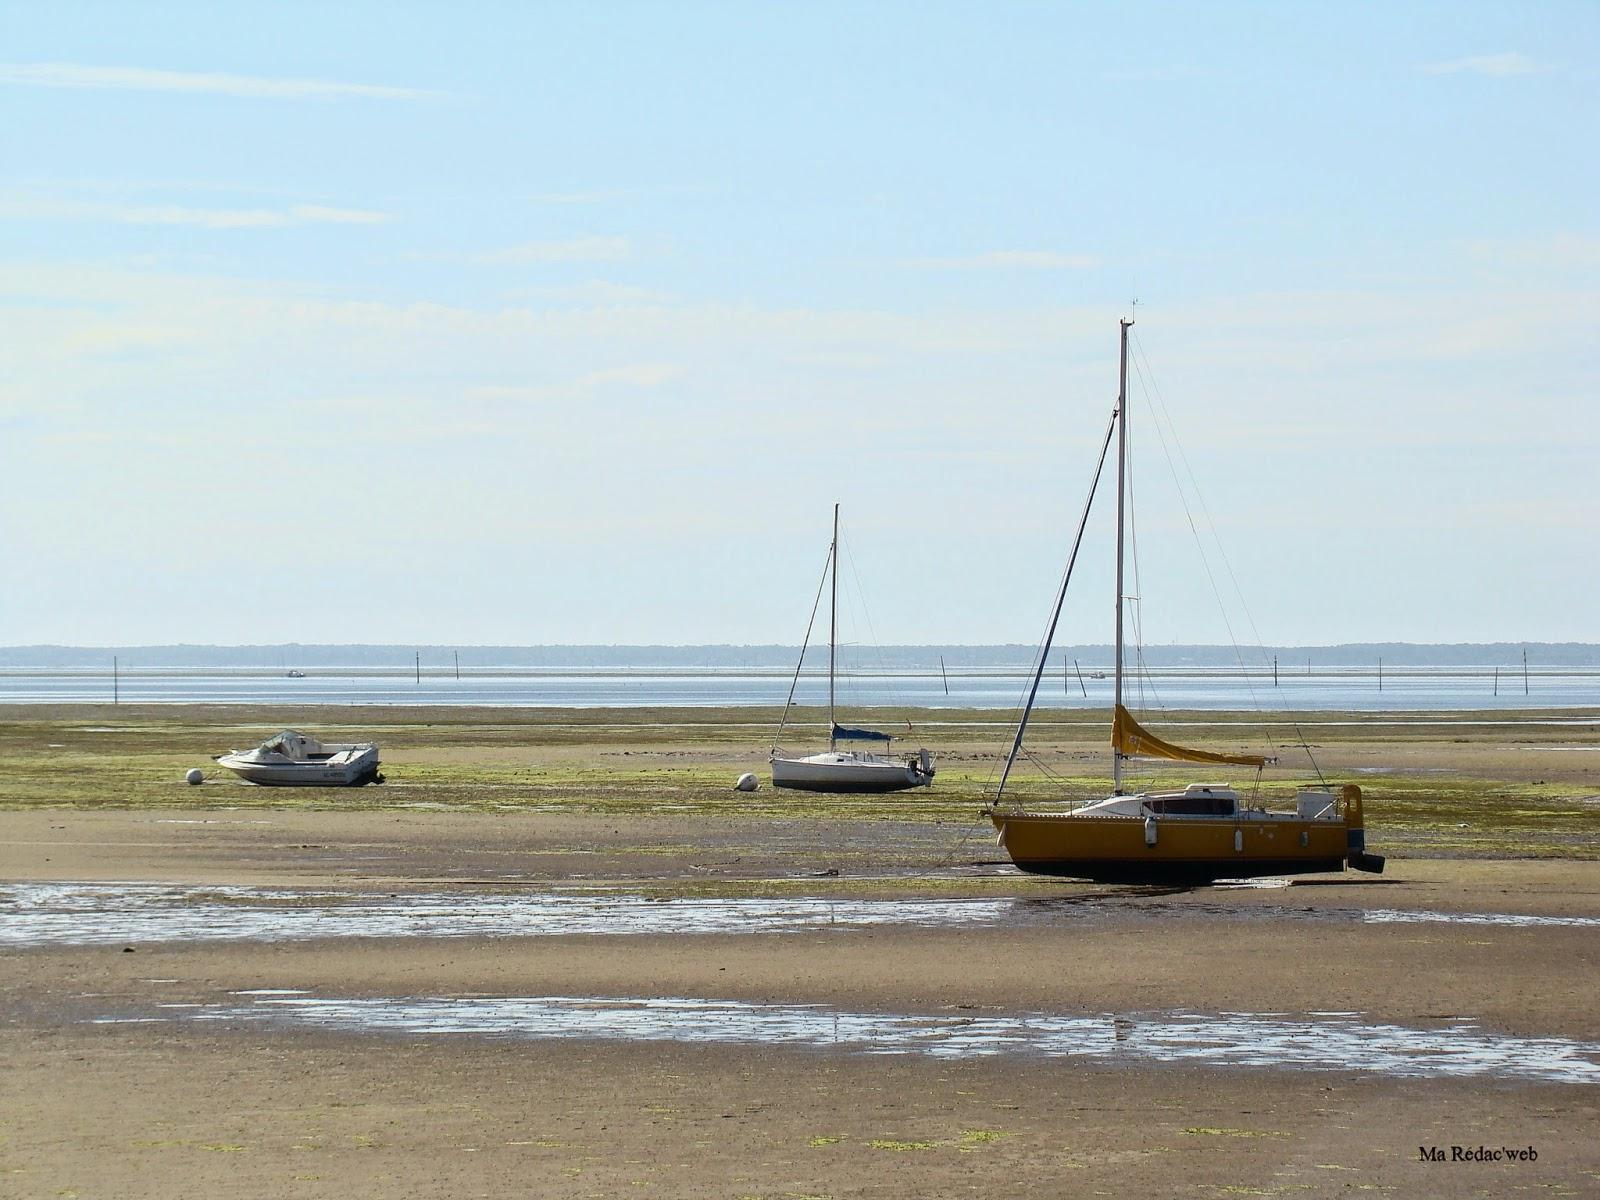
(195, 775)
(747, 783)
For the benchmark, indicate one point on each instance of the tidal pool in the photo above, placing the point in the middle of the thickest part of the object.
(113, 914)
(1319, 1041)
(67, 914)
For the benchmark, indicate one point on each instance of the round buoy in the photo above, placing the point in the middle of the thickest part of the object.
(195, 775)
(747, 783)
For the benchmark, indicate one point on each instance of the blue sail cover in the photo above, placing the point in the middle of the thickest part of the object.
(841, 734)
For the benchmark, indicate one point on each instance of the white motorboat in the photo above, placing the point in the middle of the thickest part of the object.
(838, 770)
(291, 759)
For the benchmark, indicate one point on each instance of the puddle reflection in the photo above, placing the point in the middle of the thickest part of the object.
(94, 914)
(1321, 1041)
(60, 914)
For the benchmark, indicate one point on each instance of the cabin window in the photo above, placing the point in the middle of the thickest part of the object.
(1192, 806)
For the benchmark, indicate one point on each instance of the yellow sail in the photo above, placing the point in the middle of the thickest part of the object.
(1128, 737)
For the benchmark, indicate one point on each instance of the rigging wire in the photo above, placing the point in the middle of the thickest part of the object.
(1194, 529)
(1144, 680)
(1146, 376)
(793, 683)
(1133, 767)
(1018, 710)
(1044, 768)
(1146, 381)
(1041, 659)
(875, 646)
(1227, 563)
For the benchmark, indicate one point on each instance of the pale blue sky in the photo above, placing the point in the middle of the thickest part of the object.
(569, 322)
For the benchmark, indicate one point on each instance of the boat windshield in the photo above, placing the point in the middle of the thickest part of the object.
(288, 743)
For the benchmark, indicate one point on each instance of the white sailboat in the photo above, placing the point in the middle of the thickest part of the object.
(836, 770)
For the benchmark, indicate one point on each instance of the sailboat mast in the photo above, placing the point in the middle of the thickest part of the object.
(833, 624)
(1122, 474)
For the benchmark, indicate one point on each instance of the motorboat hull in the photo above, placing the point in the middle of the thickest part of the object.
(842, 771)
(344, 768)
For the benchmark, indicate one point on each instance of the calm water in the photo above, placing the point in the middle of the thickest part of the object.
(1316, 1041)
(111, 914)
(1000, 689)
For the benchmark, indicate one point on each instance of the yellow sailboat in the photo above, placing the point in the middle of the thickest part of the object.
(1201, 832)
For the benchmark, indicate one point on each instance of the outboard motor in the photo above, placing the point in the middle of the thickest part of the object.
(925, 762)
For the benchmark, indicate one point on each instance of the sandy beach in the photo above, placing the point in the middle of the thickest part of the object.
(874, 949)
(460, 460)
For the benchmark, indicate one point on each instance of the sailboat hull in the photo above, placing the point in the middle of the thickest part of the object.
(1120, 849)
(1202, 832)
(841, 771)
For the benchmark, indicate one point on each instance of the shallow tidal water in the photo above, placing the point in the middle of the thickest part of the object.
(90, 914)
(111, 914)
(1317, 1041)
(1350, 689)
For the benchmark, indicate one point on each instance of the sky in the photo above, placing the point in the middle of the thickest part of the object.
(569, 323)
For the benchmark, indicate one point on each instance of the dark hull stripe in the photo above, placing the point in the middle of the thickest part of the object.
(1134, 870)
(898, 785)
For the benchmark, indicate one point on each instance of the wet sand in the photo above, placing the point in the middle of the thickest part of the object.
(160, 1103)
(133, 1113)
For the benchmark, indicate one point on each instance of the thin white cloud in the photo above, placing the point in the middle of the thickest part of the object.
(199, 218)
(590, 292)
(124, 185)
(601, 195)
(1563, 249)
(640, 375)
(1150, 74)
(583, 249)
(143, 79)
(1028, 260)
(597, 196)
(323, 214)
(633, 375)
(1497, 65)
(107, 366)
(569, 250)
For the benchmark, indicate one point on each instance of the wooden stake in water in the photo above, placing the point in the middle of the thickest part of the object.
(1380, 674)
(457, 653)
(1274, 670)
(943, 676)
(1497, 681)
(115, 690)
(419, 666)
(1524, 670)
(1079, 670)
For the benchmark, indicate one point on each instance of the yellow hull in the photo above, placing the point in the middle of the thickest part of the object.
(1117, 847)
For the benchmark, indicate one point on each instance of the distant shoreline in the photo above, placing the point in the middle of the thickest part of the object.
(879, 660)
(1397, 671)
